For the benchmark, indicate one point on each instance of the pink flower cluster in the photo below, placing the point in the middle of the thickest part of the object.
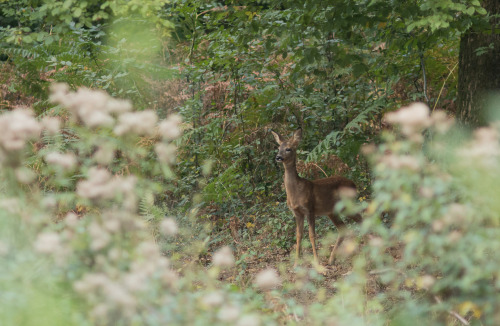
(413, 119)
(18, 127)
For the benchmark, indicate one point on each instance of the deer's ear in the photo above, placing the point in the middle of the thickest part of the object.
(277, 137)
(297, 135)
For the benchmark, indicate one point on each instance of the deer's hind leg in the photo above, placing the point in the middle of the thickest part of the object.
(340, 226)
(311, 219)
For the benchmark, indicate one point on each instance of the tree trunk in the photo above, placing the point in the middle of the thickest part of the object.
(478, 75)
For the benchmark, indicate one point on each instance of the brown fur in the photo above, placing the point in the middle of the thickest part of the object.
(307, 198)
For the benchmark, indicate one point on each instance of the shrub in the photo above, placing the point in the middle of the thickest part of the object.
(84, 241)
(433, 260)
(79, 200)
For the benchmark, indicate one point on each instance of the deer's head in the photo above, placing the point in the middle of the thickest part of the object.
(288, 148)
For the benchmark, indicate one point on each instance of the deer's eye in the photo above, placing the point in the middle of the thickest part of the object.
(288, 149)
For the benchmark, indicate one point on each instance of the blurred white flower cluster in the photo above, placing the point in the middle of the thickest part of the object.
(168, 227)
(119, 261)
(484, 148)
(413, 119)
(141, 123)
(66, 161)
(47, 243)
(120, 277)
(223, 257)
(18, 126)
(267, 279)
(101, 184)
(169, 128)
(95, 108)
(394, 161)
(117, 291)
(89, 177)
(230, 313)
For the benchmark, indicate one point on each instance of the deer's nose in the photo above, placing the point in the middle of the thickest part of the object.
(279, 158)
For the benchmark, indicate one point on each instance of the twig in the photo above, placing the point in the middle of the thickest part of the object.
(442, 87)
(422, 64)
(326, 175)
(385, 270)
(453, 313)
(193, 40)
(223, 8)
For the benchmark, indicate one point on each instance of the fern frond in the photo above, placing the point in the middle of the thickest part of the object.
(22, 52)
(324, 146)
(360, 119)
(334, 139)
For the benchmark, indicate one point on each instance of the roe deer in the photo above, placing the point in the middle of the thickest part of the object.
(309, 199)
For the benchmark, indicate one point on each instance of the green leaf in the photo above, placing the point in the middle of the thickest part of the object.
(481, 11)
(411, 27)
(77, 13)
(48, 40)
(27, 39)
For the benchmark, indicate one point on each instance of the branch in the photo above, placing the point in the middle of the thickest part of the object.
(422, 64)
(453, 313)
(442, 87)
(386, 270)
(326, 175)
(223, 8)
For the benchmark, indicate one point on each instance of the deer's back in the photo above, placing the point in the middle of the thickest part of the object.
(327, 192)
(335, 182)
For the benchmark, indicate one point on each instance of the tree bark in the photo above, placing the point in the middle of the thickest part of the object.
(479, 75)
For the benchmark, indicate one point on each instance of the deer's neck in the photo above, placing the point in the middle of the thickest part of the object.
(291, 175)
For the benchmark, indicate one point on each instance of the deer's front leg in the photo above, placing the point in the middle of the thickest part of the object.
(299, 219)
(312, 234)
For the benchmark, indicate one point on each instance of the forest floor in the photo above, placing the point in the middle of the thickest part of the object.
(323, 277)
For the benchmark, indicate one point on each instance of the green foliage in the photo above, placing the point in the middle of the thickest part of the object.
(335, 69)
(331, 69)
(98, 178)
(435, 257)
(27, 282)
(79, 43)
